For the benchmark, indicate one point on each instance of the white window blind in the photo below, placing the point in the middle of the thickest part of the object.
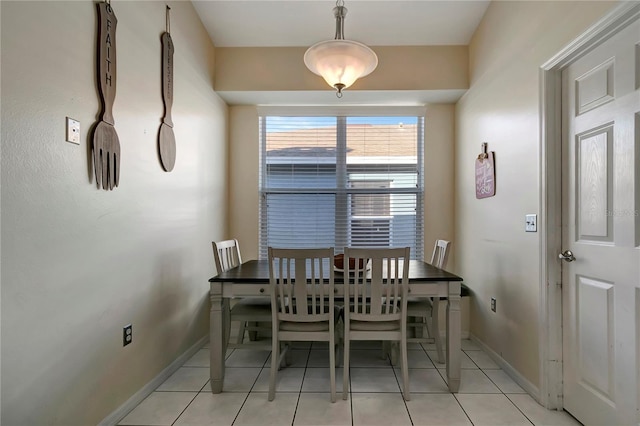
(341, 181)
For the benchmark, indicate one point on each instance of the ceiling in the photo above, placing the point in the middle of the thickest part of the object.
(267, 23)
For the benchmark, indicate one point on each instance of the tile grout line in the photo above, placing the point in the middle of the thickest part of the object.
(455, 395)
(518, 408)
(306, 366)
(350, 388)
(250, 390)
(190, 402)
(293, 420)
(495, 384)
(402, 390)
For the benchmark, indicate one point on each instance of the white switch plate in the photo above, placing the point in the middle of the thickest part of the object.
(73, 131)
(531, 223)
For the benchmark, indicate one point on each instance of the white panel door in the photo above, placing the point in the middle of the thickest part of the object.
(601, 227)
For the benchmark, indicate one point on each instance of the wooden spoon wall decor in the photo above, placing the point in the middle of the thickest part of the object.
(166, 137)
(105, 143)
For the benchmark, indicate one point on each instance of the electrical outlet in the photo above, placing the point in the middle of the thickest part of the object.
(127, 334)
(531, 223)
(73, 131)
(493, 304)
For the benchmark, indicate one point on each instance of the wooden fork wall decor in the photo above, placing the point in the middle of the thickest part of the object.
(166, 137)
(104, 139)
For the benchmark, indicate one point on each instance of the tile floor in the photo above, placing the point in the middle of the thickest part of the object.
(488, 396)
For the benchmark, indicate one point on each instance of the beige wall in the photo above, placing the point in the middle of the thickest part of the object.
(493, 253)
(244, 161)
(79, 263)
(244, 189)
(439, 174)
(399, 68)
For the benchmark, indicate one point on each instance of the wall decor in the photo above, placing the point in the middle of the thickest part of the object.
(104, 139)
(166, 138)
(485, 173)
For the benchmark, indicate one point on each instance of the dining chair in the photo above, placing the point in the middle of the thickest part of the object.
(377, 302)
(250, 312)
(302, 305)
(424, 313)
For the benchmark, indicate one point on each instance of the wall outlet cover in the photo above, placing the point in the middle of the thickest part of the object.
(531, 223)
(73, 131)
(127, 334)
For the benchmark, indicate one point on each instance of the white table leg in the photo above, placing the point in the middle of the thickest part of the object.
(454, 330)
(435, 327)
(218, 336)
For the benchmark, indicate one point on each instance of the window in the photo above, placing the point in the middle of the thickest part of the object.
(341, 181)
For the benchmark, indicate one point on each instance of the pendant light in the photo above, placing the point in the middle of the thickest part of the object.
(340, 62)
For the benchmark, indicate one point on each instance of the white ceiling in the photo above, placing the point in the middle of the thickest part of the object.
(263, 23)
(235, 23)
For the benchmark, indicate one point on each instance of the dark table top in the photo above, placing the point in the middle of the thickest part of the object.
(257, 272)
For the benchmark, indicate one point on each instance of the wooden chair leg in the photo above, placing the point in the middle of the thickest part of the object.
(418, 327)
(241, 331)
(275, 358)
(283, 347)
(394, 353)
(405, 370)
(253, 334)
(332, 368)
(345, 369)
(425, 331)
(288, 358)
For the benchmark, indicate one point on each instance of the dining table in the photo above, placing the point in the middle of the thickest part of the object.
(251, 279)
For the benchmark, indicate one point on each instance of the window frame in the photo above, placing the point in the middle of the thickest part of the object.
(342, 190)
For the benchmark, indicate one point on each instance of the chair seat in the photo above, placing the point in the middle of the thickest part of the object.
(304, 326)
(374, 325)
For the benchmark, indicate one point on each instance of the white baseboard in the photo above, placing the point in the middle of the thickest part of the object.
(525, 384)
(117, 415)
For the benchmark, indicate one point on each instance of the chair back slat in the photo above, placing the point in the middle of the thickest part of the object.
(314, 289)
(374, 291)
(226, 254)
(300, 300)
(357, 278)
(283, 286)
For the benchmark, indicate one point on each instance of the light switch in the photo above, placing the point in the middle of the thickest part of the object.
(73, 131)
(531, 223)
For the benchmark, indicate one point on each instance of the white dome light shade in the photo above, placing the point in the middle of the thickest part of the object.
(340, 62)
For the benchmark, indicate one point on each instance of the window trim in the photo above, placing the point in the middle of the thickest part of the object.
(342, 168)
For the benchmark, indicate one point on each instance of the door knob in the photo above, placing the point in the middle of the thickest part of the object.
(567, 256)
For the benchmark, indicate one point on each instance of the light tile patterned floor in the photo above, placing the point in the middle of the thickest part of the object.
(488, 396)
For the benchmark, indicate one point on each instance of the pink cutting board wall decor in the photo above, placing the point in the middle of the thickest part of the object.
(485, 174)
